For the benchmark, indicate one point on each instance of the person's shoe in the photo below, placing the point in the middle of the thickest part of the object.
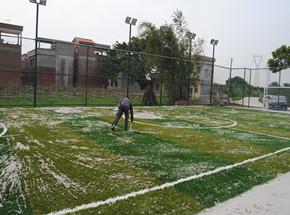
(113, 127)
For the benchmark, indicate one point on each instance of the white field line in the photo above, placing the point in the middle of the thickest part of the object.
(4, 129)
(234, 123)
(262, 134)
(115, 199)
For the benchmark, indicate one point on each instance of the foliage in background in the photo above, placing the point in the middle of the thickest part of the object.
(241, 88)
(169, 40)
(280, 59)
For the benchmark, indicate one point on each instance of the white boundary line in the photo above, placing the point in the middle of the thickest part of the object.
(262, 134)
(234, 123)
(115, 199)
(4, 129)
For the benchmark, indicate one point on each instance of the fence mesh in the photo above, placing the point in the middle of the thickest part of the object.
(69, 73)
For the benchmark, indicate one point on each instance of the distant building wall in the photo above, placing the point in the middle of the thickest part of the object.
(10, 55)
(65, 65)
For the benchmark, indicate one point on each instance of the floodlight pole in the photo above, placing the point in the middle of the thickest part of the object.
(162, 29)
(191, 37)
(214, 43)
(129, 59)
(130, 21)
(230, 81)
(35, 58)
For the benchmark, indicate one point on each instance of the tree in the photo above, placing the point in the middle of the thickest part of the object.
(240, 88)
(274, 84)
(280, 60)
(144, 69)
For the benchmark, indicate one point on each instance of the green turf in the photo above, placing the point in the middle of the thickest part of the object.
(71, 158)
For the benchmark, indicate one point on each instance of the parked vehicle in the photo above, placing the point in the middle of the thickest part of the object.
(274, 102)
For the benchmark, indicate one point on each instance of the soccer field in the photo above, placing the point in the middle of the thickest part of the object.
(175, 160)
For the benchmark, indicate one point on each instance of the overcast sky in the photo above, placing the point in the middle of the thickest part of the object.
(243, 27)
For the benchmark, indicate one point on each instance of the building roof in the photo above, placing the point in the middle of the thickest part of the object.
(79, 40)
(10, 29)
(84, 41)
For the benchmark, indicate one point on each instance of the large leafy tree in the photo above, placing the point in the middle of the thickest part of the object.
(170, 41)
(280, 59)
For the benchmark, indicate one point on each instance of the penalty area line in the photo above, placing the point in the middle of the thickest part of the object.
(115, 199)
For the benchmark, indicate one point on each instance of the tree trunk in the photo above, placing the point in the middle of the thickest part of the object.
(149, 98)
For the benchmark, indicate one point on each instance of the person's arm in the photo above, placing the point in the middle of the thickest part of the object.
(120, 102)
(131, 112)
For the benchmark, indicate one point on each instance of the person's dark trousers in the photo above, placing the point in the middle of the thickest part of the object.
(118, 116)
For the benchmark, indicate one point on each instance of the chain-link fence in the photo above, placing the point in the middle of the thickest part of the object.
(82, 73)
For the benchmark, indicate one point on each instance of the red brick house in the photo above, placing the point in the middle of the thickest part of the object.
(10, 55)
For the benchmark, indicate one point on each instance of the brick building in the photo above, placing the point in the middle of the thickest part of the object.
(10, 55)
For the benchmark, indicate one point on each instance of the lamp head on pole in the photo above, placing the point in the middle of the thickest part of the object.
(193, 36)
(41, 2)
(190, 35)
(214, 42)
(130, 21)
(133, 22)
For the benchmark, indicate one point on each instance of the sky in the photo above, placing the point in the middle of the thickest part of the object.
(244, 28)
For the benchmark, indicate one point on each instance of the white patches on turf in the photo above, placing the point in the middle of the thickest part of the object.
(113, 200)
(4, 129)
(67, 110)
(147, 115)
(60, 178)
(10, 182)
(79, 147)
(20, 146)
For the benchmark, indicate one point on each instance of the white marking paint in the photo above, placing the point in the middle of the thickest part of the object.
(20, 146)
(67, 110)
(4, 129)
(234, 123)
(263, 134)
(115, 199)
(147, 115)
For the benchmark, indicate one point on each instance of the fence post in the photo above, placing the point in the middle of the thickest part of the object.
(230, 81)
(161, 85)
(35, 64)
(87, 72)
(279, 87)
(244, 86)
(249, 99)
(189, 80)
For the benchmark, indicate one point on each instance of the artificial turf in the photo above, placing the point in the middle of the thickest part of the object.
(68, 158)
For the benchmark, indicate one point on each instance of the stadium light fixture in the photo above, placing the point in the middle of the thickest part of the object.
(134, 21)
(213, 42)
(39, 2)
(42, 2)
(130, 21)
